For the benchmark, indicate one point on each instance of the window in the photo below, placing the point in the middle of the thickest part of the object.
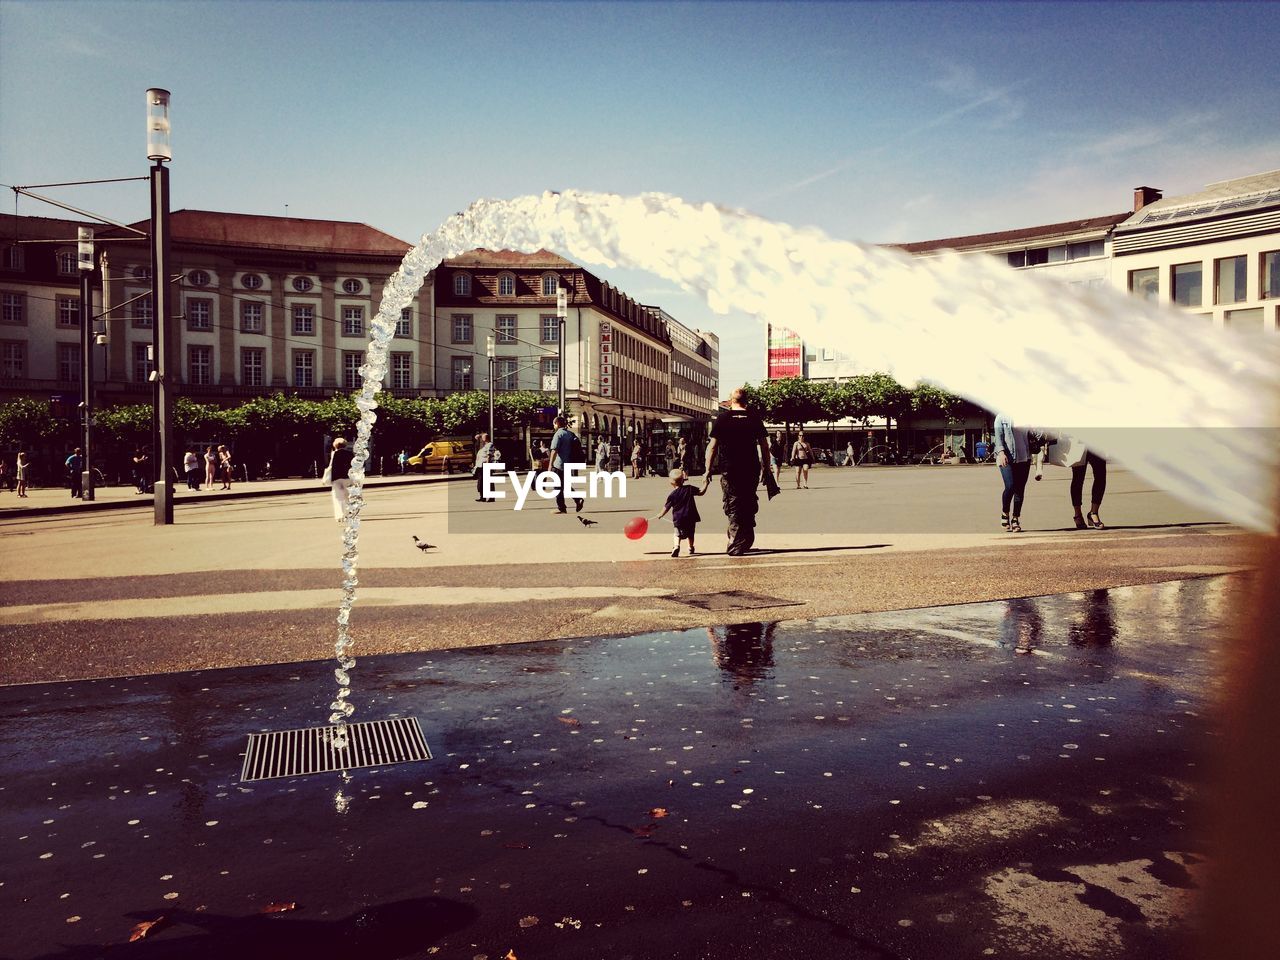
(506, 373)
(14, 258)
(198, 278)
(200, 365)
(13, 307)
(69, 362)
(550, 326)
(1038, 257)
(1248, 320)
(352, 286)
(304, 362)
(505, 328)
(140, 311)
(402, 371)
(142, 366)
(68, 311)
(353, 321)
(1271, 274)
(68, 263)
(199, 313)
(549, 374)
(462, 284)
(13, 360)
(550, 284)
(506, 285)
(252, 364)
(304, 319)
(462, 328)
(251, 281)
(142, 273)
(251, 313)
(461, 373)
(351, 370)
(1229, 274)
(404, 326)
(1087, 248)
(1187, 284)
(1145, 283)
(302, 284)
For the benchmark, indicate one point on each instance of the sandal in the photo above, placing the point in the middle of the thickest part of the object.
(1095, 521)
(1081, 524)
(1014, 525)
(1004, 521)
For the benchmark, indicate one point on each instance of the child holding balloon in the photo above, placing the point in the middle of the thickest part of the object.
(683, 509)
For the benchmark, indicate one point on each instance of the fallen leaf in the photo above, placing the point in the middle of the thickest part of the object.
(527, 922)
(143, 929)
(658, 813)
(570, 721)
(511, 955)
(285, 906)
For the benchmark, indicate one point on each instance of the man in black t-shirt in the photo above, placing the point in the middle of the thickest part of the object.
(741, 445)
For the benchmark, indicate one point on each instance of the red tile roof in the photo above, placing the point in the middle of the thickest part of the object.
(1045, 232)
(280, 233)
(542, 260)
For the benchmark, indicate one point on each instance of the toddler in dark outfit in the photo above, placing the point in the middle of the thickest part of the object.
(683, 509)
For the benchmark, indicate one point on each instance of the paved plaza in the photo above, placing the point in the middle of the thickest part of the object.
(902, 734)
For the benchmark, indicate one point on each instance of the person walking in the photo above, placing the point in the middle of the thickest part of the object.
(24, 472)
(740, 443)
(486, 452)
(566, 449)
(776, 447)
(849, 460)
(683, 507)
(669, 455)
(1013, 457)
(1099, 467)
(75, 473)
(339, 477)
(225, 467)
(602, 454)
(191, 466)
(142, 469)
(210, 467)
(637, 457)
(684, 456)
(4, 474)
(801, 459)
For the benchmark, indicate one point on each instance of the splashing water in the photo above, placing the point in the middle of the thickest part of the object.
(1045, 352)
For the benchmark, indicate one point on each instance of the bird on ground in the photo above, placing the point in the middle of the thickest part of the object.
(587, 523)
(422, 545)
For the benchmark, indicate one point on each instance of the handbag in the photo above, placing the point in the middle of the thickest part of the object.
(327, 476)
(1065, 451)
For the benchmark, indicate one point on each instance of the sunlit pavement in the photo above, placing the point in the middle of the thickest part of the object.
(1016, 779)
(792, 778)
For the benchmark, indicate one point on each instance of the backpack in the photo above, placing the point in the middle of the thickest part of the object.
(576, 453)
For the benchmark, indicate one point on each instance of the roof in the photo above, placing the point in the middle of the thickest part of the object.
(1025, 234)
(280, 233)
(480, 257)
(1239, 195)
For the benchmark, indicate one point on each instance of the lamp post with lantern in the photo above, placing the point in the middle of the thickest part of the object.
(492, 362)
(160, 153)
(84, 261)
(561, 310)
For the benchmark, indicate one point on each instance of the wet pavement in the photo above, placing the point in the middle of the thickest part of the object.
(1016, 779)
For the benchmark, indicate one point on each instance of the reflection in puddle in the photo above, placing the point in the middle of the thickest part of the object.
(743, 651)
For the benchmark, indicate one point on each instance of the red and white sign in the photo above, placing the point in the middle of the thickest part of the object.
(606, 359)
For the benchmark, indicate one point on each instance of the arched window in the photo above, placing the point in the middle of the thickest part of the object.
(506, 284)
(462, 284)
(550, 284)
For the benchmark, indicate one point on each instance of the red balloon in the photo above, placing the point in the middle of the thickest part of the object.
(636, 528)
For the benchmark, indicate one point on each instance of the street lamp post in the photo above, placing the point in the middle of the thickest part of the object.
(160, 153)
(561, 310)
(84, 260)
(492, 361)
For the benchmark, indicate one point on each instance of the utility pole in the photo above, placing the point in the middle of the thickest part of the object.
(562, 308)
(84, 260)
(489, 350)
(160, 152)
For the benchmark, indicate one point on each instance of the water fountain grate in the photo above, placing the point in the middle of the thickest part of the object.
(297, 753)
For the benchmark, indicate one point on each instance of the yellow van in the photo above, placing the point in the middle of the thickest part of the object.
(445, 456)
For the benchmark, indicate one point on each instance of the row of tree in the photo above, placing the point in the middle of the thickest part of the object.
(288, 430)
(798, 401)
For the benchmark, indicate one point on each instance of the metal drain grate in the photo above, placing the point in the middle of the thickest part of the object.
(297, 753)
(733, 600)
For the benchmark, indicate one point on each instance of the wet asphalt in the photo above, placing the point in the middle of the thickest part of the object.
(1018, 778)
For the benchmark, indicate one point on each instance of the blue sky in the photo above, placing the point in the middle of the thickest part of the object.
(872, 121)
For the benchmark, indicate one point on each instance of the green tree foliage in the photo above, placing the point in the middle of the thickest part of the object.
(930, 400)
(26, 422)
